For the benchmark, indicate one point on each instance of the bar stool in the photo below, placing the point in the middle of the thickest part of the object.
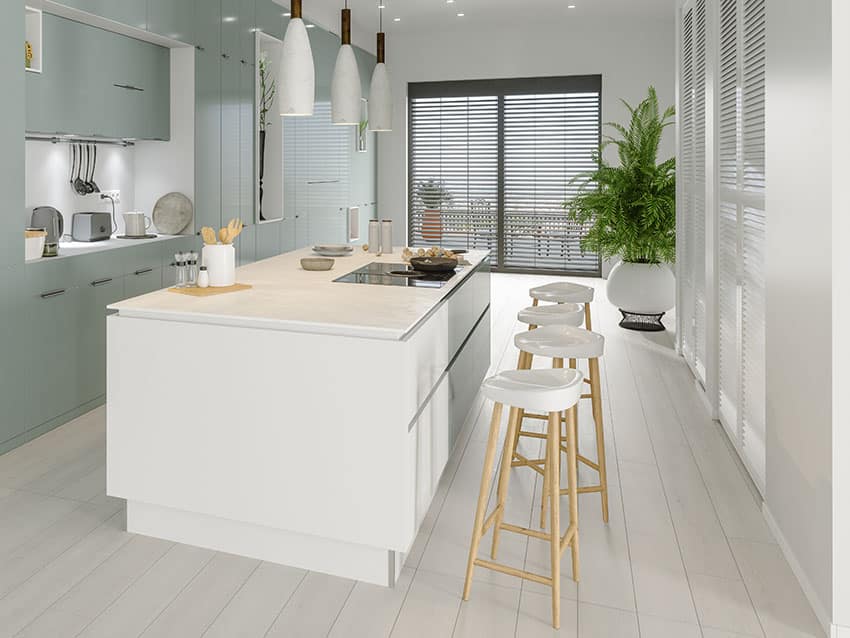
(553, 392)
(559, 343)
(561, 292)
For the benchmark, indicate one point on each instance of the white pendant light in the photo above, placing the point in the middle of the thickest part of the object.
(297, 73)
(345, 85)
(380, 94)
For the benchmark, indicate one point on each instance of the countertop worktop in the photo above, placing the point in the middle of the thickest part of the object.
(76, 248)
(286, 297)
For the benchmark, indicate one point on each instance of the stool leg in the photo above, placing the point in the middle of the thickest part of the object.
(484, 491)
(504, 476)
(587, 323)
(573, 364)
(553, 456)
(596, 402)
(572, 472)
(524, 363)
(534, 302)
(556, 363)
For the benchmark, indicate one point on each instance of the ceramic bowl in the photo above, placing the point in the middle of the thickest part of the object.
(317, 263)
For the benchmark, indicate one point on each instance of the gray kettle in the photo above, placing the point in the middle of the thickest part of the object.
(51, 220)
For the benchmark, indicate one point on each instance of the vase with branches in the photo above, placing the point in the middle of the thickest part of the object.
(630, 210)
(268, 90)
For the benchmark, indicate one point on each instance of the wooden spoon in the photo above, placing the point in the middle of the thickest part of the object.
(234, 228)
(222, 235)
(208, 235)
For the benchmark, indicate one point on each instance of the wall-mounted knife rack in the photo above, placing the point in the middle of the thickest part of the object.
(60, 139)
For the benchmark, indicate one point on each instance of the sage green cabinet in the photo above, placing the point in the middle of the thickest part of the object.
(207, 139)
(130, 78)
(53, 323)
(11, 139)
(230, 139)
(270, 18)
(16, 362)
(173, 19)
(130, 12)
(94, 297)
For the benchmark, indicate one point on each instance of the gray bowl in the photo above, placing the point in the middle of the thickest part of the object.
(317, 263)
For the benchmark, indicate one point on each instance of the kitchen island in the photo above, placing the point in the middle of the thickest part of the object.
(305, 421)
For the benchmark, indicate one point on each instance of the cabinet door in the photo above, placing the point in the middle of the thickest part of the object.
(16, 362)
(230, 29)
(246, 246)
(53, 317)
(270, 18)
(95, 296)
(142, 281)
(154, 120)
(207, 139)
(173, 19)
(12, 122)
(129, 12)
(247, 140)
(247, 26)
(208, 25)
(268, 240)
(230, 140)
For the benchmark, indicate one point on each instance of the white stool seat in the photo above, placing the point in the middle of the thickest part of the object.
(562, 292)
(567, 314)
(550, 390)
(561, 342)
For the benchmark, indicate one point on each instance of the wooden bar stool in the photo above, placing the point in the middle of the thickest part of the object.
(567, 314)
(559, 343)
(553, 392)
(561, 292)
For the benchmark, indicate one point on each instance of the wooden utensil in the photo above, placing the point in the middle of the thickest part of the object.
(208, 235)
(222, 235)
(234, 228)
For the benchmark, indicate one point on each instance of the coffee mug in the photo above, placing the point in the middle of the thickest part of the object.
(136, 224)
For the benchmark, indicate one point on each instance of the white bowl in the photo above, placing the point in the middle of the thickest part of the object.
(34, 247)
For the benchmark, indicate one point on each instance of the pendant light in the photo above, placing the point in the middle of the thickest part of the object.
(345, 85)
(297, 73)
(380, 94)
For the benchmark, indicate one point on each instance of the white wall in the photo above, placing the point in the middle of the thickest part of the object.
(630, 56)
(799, 289)
(48, 168)
(840, 311)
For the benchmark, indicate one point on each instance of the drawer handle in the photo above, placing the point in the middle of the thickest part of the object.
(143, 271)
(101, 282)
(129, 87)
(226, 56)
(199, 47)
(53, 293)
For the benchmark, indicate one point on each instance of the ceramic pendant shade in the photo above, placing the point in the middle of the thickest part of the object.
(380, 94)
(297, 73)
(345, 85)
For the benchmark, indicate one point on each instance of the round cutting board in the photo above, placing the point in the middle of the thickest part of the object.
(172, 213)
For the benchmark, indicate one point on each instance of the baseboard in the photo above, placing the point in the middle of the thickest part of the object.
(833, 631)
(840, 632)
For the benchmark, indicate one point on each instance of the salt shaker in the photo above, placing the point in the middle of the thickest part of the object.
(203, 278)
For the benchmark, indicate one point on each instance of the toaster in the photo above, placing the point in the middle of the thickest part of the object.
(91, 226)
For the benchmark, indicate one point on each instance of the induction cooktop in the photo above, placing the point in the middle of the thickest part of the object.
(382, 274)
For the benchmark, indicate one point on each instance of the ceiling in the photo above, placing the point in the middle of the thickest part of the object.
(424, 15)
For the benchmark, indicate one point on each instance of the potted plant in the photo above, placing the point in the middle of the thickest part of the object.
(631, 212)
(433, 196)
(267, 94)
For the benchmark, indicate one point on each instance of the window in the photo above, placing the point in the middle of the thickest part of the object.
(491, 163)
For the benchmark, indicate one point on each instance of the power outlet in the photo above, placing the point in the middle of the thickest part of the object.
(115, 195)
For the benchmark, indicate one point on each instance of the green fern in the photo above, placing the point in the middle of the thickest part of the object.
(631, 207)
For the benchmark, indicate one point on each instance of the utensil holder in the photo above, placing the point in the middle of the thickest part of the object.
(220, 261)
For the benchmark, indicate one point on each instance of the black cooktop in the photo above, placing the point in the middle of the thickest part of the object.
(380, 274)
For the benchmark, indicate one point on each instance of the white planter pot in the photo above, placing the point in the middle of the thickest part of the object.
(648, 289)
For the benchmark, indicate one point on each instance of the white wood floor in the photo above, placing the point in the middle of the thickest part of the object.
(686, 552)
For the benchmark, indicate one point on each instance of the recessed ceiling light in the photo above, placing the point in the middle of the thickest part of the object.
(460, 15)
(311, 26)
(382, 6)
(450, 1)
(396, 19)
(228, 19)
(571, 6)
(286, 15)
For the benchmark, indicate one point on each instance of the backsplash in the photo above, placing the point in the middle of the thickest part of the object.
(48, 170)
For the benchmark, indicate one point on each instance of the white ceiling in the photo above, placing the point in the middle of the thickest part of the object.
(424, 15)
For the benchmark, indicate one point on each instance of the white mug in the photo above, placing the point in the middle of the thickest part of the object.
(136, 224)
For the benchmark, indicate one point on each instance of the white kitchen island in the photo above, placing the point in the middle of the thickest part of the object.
(304, 421)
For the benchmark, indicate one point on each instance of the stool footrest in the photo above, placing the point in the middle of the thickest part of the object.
(587, 462)
(590, 489)
(512, 571)
(516, 529)
(533, 435)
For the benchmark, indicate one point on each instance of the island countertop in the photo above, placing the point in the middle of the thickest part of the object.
(286, 297)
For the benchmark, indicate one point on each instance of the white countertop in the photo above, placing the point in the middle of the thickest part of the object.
(286, 297)
(74, 248)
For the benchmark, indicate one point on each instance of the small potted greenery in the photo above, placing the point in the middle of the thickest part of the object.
(631, 211)
(434, 196)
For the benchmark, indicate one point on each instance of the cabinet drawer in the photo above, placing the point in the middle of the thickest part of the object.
(142, 281)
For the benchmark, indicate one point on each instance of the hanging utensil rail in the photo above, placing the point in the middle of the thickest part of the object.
(58, 139)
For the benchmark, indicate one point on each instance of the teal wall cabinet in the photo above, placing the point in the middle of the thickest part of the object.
(16, 363)
(95, 296)
(130, 78)
(130, 12)
(11, 139)
(173, 19)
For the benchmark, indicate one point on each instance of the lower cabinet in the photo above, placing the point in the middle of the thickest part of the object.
(466, 373)
(142, 281)
(16, 361)
(94, 297)
(53, 311)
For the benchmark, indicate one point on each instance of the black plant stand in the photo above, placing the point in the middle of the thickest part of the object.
(642, 322)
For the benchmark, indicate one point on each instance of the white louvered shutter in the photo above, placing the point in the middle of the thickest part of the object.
(700, 56)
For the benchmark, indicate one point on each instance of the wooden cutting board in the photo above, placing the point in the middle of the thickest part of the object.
(210, 292)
